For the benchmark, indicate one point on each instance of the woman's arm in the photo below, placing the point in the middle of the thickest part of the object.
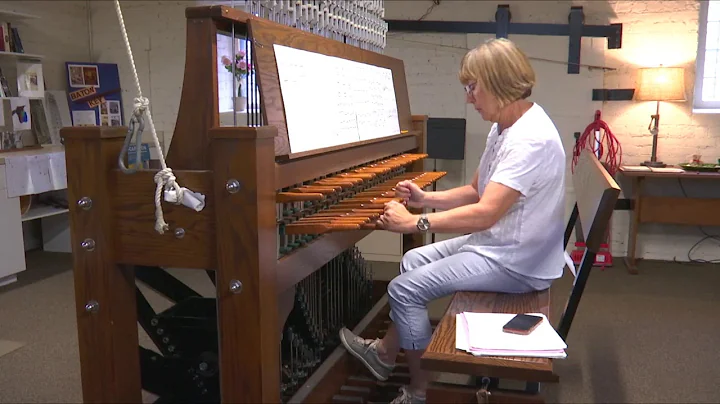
(515, 175)
(453, 198)
(479, 216)
(496, 201)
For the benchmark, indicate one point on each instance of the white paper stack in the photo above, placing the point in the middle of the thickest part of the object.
(481, 334)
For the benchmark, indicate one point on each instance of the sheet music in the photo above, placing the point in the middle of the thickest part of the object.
(339, 91)
(377, 109)
(295, 84)
(330, 101)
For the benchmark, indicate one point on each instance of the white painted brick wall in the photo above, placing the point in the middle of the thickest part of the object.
(654, 32)
(660, 32)
(431, 65)
(156, 31)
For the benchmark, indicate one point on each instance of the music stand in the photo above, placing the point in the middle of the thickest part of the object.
(445, 141)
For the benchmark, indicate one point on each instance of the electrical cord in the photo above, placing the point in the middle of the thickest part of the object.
(697, 244)
(607, 143)
(429, 10)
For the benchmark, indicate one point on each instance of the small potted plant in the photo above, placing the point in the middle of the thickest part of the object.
(242, 67)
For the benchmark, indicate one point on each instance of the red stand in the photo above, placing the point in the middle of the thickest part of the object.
(602, 259)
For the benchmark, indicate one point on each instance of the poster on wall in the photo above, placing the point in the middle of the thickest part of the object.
(94, 94)
(20, 110)
(144, 156)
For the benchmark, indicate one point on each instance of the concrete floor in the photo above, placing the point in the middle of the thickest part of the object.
(646, 338)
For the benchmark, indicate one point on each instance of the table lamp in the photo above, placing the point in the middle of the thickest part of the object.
(659, 84)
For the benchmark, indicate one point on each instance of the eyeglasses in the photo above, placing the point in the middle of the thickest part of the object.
(470, 88)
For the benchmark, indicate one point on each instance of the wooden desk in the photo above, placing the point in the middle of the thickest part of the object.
(667, 210)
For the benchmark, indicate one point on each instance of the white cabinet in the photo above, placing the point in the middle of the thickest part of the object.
(15, 238)
(12, 248)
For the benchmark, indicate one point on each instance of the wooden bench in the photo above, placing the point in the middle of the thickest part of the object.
(596, 193)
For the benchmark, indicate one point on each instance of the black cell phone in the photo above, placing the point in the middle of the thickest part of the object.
(522, 324)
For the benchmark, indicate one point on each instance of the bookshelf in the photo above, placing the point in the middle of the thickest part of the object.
(13, 56)
(21, 73)
(18, 55)
(45, 223)
(42, 212)
(14, 15)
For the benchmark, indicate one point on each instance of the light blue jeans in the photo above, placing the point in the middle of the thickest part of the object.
(440, 269)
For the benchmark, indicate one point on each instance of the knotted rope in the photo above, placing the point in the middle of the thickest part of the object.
(164, 179)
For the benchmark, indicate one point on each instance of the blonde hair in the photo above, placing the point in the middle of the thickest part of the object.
(500, 68)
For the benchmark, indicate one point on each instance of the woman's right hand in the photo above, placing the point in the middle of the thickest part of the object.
(410, 193)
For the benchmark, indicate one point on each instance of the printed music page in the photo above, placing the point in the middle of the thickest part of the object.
(377, 113)
(299, 78)
(316, 105)
(331, 101)
(340, 86)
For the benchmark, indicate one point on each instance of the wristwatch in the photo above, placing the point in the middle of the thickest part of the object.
(423, 224)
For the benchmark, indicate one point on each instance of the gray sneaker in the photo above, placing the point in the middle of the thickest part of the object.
(365, 350)
(406, 397)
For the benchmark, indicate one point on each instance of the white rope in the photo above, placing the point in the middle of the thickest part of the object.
(164, 179)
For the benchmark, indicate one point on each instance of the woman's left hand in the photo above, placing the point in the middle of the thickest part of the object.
(397, 218)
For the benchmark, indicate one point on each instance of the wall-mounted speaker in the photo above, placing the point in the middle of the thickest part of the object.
(446, 138)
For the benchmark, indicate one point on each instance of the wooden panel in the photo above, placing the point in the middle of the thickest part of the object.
(302, 262)
(249, 339)
(440, 393)
(330, 384)
(293, 172)
(265, 33)
(201, 67)
(445, 393)
(596, 192)
(218, 12)
(108, 337)
(441, 355)
(685, 211)
(321, 151)
(199, 105)
(138, 243)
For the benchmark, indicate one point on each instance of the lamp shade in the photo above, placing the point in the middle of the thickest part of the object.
(661, 84)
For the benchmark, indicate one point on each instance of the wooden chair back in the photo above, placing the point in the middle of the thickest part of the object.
(596, 194)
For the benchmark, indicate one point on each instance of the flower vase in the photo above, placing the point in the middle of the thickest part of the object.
(240, 104)
(240, 101)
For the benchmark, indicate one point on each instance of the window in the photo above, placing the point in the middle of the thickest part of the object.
(227, 87)
(706, 97)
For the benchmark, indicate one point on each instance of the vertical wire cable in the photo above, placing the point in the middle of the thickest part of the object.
(234, 65)
(253, 96)
(248, 54)
(88, 16)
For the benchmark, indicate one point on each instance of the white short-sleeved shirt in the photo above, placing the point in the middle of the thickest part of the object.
(528, 157)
